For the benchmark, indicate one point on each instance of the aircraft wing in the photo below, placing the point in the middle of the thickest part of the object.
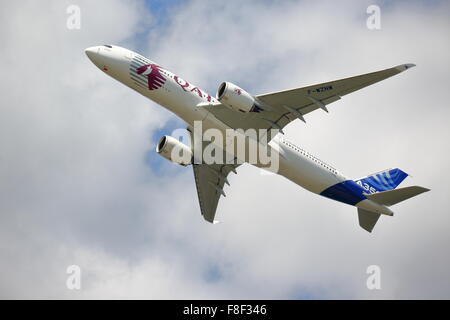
(210, 179)
(289, 105)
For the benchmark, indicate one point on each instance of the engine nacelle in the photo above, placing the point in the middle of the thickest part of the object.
(236, 98)
(175, 151)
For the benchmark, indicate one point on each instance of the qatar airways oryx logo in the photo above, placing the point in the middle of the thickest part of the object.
(155, 79)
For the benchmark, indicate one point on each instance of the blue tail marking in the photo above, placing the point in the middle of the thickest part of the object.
(346, 191)
(352, 192)
(382, 181)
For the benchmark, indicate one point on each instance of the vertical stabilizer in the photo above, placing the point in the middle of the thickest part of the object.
(382, 181)
(367, 219)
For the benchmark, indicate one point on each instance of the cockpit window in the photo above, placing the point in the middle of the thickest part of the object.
(108, 46)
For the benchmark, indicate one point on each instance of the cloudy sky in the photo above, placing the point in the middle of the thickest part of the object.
(81, 184)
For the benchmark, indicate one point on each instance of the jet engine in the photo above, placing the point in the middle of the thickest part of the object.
(175, 151)
(236, 98)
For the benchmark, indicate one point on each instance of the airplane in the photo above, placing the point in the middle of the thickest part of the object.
(235, 109)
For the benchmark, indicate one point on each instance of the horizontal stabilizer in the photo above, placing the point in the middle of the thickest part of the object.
(389, 198)
(367, 219)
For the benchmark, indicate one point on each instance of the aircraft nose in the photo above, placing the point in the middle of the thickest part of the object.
(91, 52)
(96, 56)
(109, 59)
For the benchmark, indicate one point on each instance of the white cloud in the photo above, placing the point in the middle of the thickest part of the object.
(75, 188)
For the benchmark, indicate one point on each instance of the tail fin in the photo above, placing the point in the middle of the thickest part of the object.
(382, 181)
(367, 219)
(389, 198)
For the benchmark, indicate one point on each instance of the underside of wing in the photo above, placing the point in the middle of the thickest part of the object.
(210, 180)
(310, 98)
(286, 106)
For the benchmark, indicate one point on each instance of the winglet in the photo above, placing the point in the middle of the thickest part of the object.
(404, 67)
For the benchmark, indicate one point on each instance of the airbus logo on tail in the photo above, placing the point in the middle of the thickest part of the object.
(155, 79)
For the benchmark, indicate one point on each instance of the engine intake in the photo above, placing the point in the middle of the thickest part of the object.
(236, 98)
(170, 148)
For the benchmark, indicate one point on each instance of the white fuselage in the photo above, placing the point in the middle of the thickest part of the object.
(184, 98)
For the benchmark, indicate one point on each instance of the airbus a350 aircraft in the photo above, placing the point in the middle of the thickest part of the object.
(234, 108)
